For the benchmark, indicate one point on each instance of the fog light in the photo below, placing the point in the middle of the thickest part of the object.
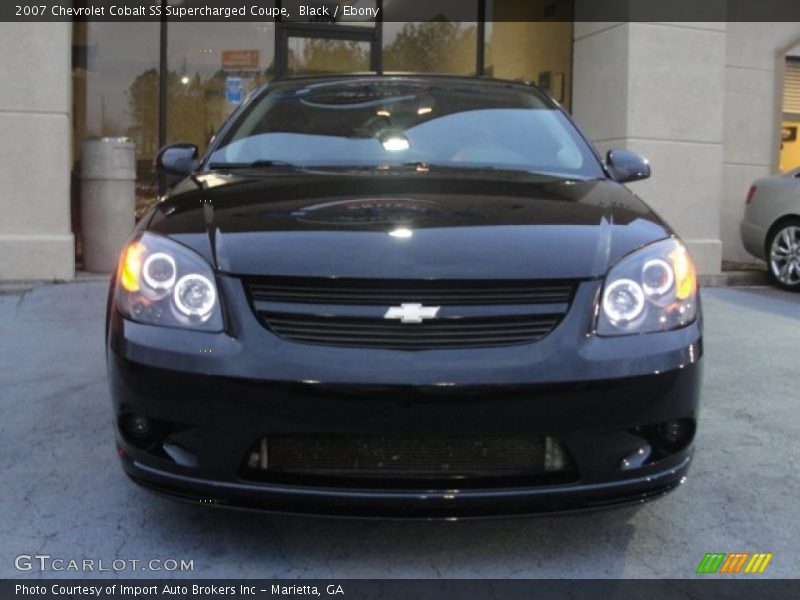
(554, 457)
(674, 435)
(138, 426)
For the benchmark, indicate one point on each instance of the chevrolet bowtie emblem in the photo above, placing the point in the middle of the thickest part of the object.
(411, 313)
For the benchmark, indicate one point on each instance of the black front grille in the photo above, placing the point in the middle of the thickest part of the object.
(434, 334)
(391, 292)
(351, 312)
(397, 458)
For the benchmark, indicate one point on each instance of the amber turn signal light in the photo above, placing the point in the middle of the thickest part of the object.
(131, 266)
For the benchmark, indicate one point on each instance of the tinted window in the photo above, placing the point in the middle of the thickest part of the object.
(390, 123)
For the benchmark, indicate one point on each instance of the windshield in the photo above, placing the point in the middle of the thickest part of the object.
(395, 122)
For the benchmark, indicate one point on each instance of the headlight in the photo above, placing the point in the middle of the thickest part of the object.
(161, 282)
(652, 289)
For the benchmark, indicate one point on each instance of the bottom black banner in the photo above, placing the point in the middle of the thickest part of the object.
(397, 589)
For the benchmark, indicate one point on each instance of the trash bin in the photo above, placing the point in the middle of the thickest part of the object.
(108, 199)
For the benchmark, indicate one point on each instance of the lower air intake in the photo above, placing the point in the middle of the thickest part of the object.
(407, 457)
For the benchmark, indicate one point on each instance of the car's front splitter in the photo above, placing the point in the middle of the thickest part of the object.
(419, 504)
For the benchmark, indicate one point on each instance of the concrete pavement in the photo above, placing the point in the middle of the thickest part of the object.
(63, 493)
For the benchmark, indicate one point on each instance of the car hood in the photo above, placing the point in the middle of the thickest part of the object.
(408, 225)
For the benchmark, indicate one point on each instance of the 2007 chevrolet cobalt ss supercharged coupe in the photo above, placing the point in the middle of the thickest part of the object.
(404, 296)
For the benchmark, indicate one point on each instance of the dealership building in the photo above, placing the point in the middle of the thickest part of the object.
(711, 104)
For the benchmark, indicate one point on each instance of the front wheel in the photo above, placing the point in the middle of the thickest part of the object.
(783, 253)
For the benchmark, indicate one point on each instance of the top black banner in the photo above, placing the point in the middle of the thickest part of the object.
(362, 12)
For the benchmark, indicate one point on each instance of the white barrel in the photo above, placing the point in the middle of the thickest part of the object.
(108, 199)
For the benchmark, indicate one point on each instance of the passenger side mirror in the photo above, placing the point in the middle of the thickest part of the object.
(177, 159)
(625, 166)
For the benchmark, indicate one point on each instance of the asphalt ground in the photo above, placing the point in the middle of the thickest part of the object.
(64, 494)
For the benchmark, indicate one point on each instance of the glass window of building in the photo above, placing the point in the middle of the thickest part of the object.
(115, 93)
(320, 56)
(441, 47)
(444, 40)
(531, 41)
(212, 66)
(337, 38)
(211, 69)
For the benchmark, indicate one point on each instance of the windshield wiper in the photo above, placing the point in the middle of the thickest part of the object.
(425, 166)
(421, 165)
(255, 164)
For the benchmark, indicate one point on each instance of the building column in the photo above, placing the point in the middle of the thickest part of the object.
(659, 89)
(36, 241)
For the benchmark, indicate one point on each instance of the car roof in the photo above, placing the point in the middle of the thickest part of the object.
(293, 83)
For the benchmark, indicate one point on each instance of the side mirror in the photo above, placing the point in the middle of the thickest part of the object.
(177, 159)
(625, 166)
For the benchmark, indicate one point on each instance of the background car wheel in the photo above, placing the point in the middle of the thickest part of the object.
(783, 255)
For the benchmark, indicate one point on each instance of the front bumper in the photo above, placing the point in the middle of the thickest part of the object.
(420, 503)
(600, 397)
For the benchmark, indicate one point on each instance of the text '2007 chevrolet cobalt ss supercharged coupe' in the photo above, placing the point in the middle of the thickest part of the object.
(404, 296)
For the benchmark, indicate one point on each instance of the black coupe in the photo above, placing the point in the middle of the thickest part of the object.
(404, 296)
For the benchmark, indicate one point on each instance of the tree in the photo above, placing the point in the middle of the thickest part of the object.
(143, 108)
(330, 56)
(196, 108)
(436, 46)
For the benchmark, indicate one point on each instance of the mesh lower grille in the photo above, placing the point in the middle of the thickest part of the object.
(391, 457)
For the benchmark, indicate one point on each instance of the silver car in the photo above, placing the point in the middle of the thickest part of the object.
(771, 226)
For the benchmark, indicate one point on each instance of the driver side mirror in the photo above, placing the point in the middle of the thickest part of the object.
(625, 166)
(177, 159)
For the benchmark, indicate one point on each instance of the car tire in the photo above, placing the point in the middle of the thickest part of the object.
(783, 254)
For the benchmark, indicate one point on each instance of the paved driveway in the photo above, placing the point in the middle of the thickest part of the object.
(63, 493)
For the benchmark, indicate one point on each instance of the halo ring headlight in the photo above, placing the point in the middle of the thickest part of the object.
(657, 277)
(165, 283)
(623, 300)
(653, 288)
(159, 271)
(195, 295)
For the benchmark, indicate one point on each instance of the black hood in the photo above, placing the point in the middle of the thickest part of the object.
(408, 225)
